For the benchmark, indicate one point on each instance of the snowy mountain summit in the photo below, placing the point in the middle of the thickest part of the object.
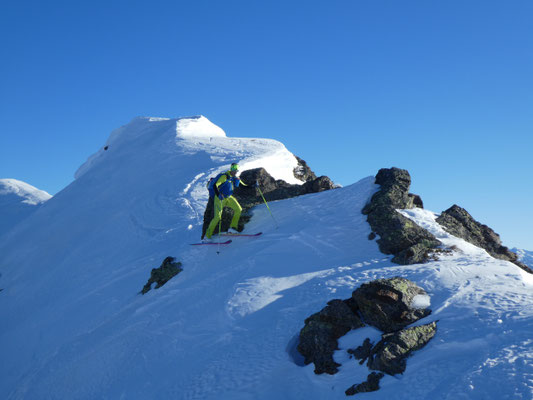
(198, 127)
(17, 201)
(75, 326)
(22, 192)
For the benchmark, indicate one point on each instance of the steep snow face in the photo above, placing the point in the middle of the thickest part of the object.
(17, 201)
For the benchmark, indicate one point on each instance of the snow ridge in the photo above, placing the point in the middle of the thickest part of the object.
(27, 194)
(74, 326)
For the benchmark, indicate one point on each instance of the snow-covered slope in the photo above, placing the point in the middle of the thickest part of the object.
(18, 200)
(75, 327)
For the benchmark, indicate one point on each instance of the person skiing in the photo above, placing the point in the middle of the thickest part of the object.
(223, 197)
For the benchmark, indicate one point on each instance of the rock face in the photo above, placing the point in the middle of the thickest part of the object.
(408, 242)
(318, 338)
(303, 172)
(168, 269)
(390, 354)
(458, 222)
(362, 352)
(386, 303)
(249, 197)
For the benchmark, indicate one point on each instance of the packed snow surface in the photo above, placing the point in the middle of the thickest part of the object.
(74, 325)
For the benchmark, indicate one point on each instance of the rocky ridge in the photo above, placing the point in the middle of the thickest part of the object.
(458, 222)
(399, 236)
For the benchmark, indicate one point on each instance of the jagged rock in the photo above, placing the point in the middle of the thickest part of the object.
(168, 269)
(390, 354)
(303, 172)
(370, 385)
(417, 254)
(458, 222)
(318, 338)
(408, 242)
(249, 197)
(362, 352)
(416, 200)
(386, 303)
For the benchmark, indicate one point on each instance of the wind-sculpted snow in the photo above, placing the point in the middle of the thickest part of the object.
(18, 200)
(74, 327)
(25, 193)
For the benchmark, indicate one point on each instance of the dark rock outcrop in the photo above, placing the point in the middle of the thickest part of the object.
(408, 242)
(249, 197)
(390, 354)
(362, 352)
(370, 385)
(386, 303)
(168, 269)
(458, 222)
(318, 338)
(303, 172)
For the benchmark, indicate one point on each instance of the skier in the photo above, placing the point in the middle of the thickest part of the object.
(223, 197)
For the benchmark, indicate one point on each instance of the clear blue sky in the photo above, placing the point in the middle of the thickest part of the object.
(441, 88)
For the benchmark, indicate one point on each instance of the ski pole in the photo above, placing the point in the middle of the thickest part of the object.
(266, 204)
(219, 230)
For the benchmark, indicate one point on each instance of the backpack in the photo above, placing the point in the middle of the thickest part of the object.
(211, 184)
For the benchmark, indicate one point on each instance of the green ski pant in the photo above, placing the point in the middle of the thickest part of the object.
(219, 205)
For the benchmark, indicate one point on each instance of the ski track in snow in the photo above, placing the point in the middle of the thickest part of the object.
(226, 327)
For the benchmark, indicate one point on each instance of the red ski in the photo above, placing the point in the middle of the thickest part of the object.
(241, 234)
(210, 243)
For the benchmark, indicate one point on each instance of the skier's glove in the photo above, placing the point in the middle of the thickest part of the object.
(221, 197)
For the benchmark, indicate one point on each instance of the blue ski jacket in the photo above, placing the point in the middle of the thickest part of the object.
(226, 184)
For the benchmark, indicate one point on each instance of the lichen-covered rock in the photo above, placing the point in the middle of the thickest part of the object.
(168, 269)
(387, 303)
(318, 338)
(394, 191)
(390, 354)
(458, 222)
(417, 254)
(249, 197)
(408, 242)
(370, 385)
